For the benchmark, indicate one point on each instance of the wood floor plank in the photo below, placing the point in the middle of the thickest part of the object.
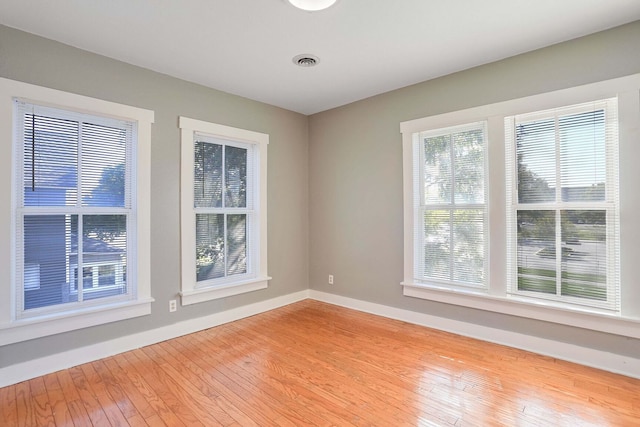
(116, 392)
(201, 407)
(130, 389)
(26, 410)
(66, 385)
(316, 364)
(94, 409)
(205, 398)
(268, 369)
(263, 391)
(59, 408)
(8, 405)
(99, 390)
(176, 358)
(137, 421)
(37, 387)
(43, 415)
(148, 392)
(42, 412)
(79, 414)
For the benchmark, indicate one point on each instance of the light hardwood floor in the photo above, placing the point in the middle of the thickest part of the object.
(312, 363)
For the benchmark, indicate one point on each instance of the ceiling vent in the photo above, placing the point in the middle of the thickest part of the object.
(306, 60)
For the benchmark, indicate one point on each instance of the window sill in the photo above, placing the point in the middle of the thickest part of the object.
(540, 310)
(50, 324)
(216, 292)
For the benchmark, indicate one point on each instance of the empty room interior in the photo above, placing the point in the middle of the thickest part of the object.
(317, 212)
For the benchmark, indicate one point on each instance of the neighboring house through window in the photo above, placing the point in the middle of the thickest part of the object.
(72, 211)
(80, 211)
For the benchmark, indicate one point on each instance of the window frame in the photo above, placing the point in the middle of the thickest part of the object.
(12, 327)
(611, 204)
(496, 298)
(421, 207)
(191, 291)
(78, 209)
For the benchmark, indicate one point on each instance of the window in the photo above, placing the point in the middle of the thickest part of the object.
(450, 206)
(223, 211)
(74, 207)
(79, 212)
(563, 214)
(558, 236)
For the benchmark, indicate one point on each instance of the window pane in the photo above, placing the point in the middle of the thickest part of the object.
(103, 165)
(237, 244)
(453, 175)
(536, 156)
(106, 275)
(104, 255)
(437, 244)
(437, 169)
(210, 262)
(207, 175)
(537, 251)
(468, 149)
(87, 277)
(582, 156)
(468, 246)
(49, 243)
(569, 255)
(31, 276)
(584, 256)
(50, 151)
(235, 177)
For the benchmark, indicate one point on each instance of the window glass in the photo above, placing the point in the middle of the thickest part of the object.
(223, 227)
(450, 214)
(50, 160)
(566, 227)
(221, 222)
(66, 155)
(207, 174)
(235, 170)
(210, 246)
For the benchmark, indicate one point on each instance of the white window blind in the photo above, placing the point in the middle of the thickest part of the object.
(450, 205)
(563, 212)
(224, 205)
(74, 209)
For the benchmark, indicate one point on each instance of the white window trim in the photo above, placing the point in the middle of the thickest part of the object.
(496, 299)
(190, 293)
(15, 330)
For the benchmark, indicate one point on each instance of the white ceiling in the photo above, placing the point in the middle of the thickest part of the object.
(366, 47)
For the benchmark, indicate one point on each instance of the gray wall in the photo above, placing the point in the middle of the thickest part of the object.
(32, 59)
(355, 178)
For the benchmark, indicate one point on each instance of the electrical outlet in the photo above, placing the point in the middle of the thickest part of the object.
(173, 306)
(331, 279)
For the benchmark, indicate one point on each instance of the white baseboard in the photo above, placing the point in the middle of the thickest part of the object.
(618, 364)
(585, 356)
(34, 368)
